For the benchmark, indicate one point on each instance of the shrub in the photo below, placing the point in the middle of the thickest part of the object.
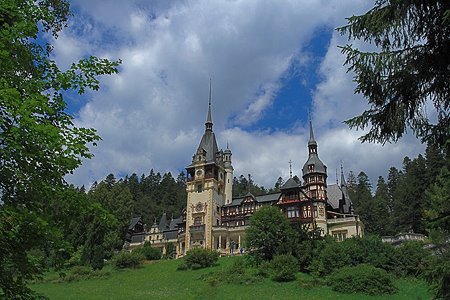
(361, 279)
(284, 268)
(264, 269)
(309, 282)
(411, 259)
(125, 260)
(182, 267)
(75, 259)
(352, 252)
(196, 266)
(201, 258)
(83, 273)
(234, 274)
(149, 252)
(81, 270)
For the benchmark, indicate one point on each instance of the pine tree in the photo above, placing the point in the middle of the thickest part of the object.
(409, 70)
(394, 176)
(351, 181)
(362, 201)
(409, 197)
(382, 219)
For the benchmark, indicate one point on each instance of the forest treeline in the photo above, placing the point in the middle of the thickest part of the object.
(396, 204)
(400, 202)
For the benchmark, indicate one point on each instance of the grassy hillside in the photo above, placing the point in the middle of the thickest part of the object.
(161, 280)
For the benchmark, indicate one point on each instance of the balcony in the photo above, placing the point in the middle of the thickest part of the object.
(342, 220)
(197, 232)
(197, 228)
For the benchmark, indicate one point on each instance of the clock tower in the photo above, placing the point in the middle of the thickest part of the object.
(207, 188)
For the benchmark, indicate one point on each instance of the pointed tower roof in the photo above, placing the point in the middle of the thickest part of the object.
(312, 141)
(208, 142)
(313, 158)
(163, 222)
(343, 183)
(209, 123)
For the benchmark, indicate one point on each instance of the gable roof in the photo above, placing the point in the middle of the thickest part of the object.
(290, 184)
(336, 193)
(133, 222)
(163, 222)
(272, 197)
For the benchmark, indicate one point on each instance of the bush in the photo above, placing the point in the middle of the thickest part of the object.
(264, 269)
(83, 273)
(235, 274)
(75, 258)
(125, 260)
(309, 282)
(284, 268)
(352, 252)
(182, 267)
(81, 270)
(361, 279)
(149, 252)
(201, 258)
(411, 259)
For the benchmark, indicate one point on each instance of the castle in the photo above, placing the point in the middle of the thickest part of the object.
(213, 219)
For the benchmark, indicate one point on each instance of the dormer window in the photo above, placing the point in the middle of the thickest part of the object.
(310, 168)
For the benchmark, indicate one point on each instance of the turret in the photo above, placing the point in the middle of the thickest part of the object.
(314, 170)
(228, 175)
(315, 181)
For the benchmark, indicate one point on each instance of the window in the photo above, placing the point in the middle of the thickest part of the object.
(292, 212)
(306, 212)
(198, 221)
(340, 235)
(199, 188)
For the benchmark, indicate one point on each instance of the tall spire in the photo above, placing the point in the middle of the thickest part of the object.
(312, 141)
(209, 122)
(290, 168)
(342, 175)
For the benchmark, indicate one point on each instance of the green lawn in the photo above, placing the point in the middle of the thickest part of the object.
(161, 280)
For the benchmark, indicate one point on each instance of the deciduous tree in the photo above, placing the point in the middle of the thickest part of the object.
(39, 143)
(269, 234)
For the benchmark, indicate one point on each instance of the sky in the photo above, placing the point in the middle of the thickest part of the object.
(271, 63)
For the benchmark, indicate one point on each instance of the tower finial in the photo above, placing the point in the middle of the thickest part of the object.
(342, 175)
(290, 168)
(312, 141)
(209, 122)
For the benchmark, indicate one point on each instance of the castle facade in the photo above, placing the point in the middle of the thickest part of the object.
(213, 219)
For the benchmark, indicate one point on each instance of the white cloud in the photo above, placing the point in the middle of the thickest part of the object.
(151, 114)
(334, 102)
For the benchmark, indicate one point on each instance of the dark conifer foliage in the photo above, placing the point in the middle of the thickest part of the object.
(401, 203)
(245, 185)
(147, 196)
